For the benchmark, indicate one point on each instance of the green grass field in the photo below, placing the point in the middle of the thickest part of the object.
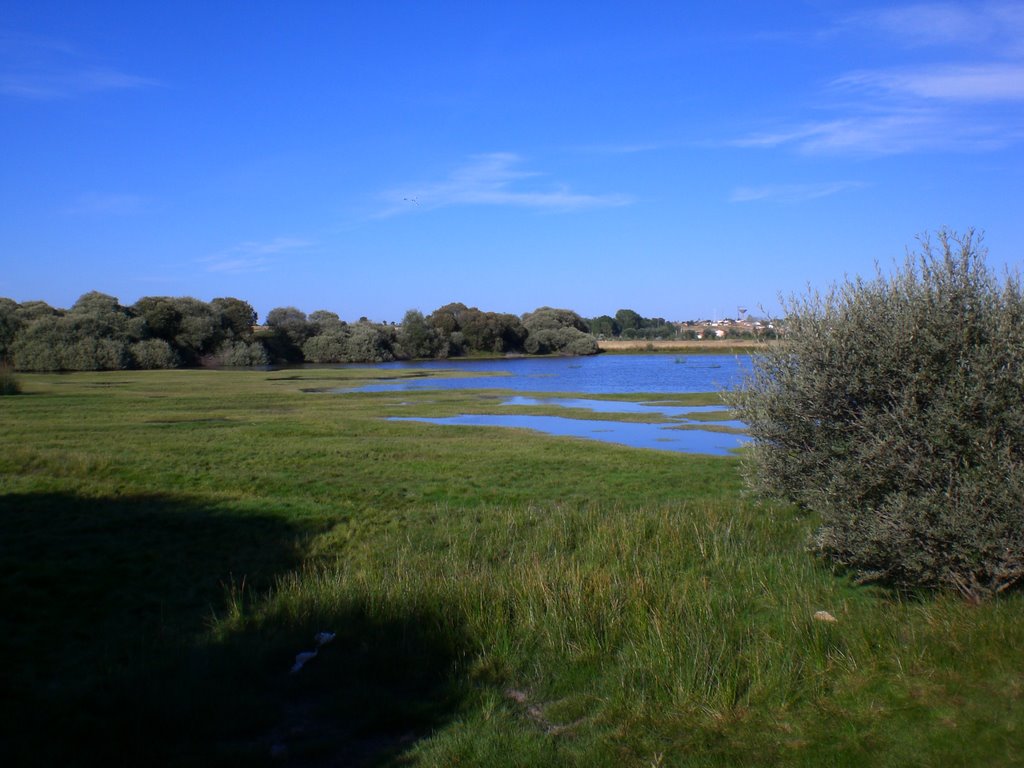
(169, 541)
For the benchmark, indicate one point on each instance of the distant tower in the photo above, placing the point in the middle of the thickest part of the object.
(742, 311)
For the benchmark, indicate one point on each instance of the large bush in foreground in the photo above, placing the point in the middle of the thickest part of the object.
(895, 409)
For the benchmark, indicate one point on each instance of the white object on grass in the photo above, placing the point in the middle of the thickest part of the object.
(301, 659)
(321, 638)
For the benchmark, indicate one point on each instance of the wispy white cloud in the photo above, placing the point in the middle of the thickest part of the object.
(799, 135)
(621, 149)
(891, 132)
(21, 46)
(964, 83)
(253, 256)
(997, 25)
(46, 70)
(791, 193)
(93, 204)
(45, 86)
(967, 104)
(888, 134)
(494, 179)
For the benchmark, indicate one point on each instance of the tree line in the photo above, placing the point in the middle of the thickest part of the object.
(99, 333)
(629, 324)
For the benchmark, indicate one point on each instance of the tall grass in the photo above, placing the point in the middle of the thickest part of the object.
(170, 541)
(607, 635)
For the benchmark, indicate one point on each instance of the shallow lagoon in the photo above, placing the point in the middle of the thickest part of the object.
(678, 413)
(605, 375)
(663, 437)
(598, 374)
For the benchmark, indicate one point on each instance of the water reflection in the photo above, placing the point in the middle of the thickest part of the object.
(662, 437)
(604, 374)
(678, 413)
(600, 374)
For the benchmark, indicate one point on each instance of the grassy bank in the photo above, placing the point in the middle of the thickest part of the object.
(170, 540)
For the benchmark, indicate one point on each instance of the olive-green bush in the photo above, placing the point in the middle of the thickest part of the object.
(153, 353)
(894, 408)
(557, 331)
(8, 382)
(327, 347)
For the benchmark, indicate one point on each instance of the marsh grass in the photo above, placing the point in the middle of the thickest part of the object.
(170, 540)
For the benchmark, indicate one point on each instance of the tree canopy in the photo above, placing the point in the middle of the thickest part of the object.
(98, 333)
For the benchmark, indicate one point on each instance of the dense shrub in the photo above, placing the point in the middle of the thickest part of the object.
(323, 321)
(557, 331)
(237, 317)
(291, 322)
(289, 328)
(895, 409)
(96, 354)
(162, 315)
(418, 338)
(459, 330)
(40, 346)
(198, 331)
(8, 382)
(238, 354)
(153, 353)
(369, 343)
(492, 331)
(245, 353)
(326, 348)
(456, 345)
(562, 341)
(10, 325)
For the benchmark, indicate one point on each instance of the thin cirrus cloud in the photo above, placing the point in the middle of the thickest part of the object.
(621, 149)
(254, 256)
(966, 103)
(994, 82)
(494, 179)
(893, 132)
(997, 25)
(791, 193)
(44, 86)
(45, 70)
(899, 130)
(93, 204)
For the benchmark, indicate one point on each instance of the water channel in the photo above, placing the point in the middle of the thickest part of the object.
(540, 379)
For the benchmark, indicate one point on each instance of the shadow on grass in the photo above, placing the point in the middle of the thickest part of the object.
(105, 614)
(390, 677)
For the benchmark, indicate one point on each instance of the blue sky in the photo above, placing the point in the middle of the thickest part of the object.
(680, 159)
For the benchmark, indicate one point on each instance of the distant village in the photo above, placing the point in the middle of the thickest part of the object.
(728, 327)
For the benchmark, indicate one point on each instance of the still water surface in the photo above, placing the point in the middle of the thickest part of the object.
(678, 413)
(676, 433)
(603, 374)
(598, 375)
